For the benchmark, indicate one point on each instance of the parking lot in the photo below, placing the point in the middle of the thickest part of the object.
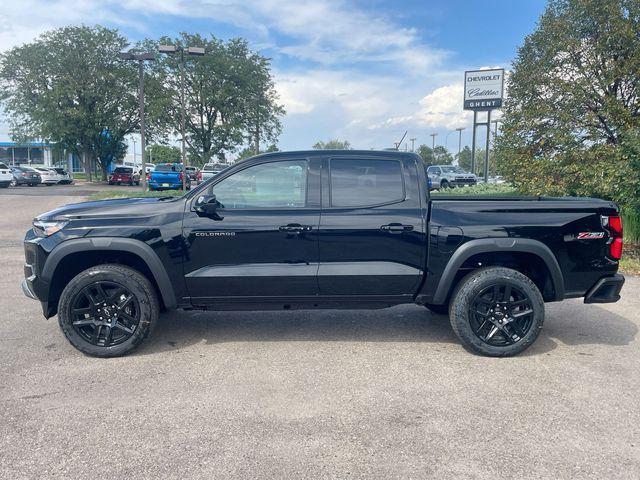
(324, 394)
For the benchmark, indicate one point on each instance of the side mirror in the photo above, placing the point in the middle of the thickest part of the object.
(207, 206)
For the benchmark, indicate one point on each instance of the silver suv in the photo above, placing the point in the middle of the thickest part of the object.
(445, 176)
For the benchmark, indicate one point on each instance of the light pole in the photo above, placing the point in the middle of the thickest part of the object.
(194, 51)
(133, 139)
(413, 142)
(459, 130)
(140, 58)
(433, 140)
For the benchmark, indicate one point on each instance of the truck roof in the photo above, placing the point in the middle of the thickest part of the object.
(341, 153)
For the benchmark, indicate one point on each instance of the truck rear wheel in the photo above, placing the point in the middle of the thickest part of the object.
(108, 310)
(497, 312)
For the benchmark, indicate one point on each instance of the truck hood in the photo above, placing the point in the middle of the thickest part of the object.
(113, 208)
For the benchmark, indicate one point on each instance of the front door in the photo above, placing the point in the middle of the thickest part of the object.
(262, 241)
(372, 234)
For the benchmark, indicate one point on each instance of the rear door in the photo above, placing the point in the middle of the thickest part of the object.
(372, 235)
(263, 241)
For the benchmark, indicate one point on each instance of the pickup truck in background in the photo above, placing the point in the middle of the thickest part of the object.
(168, 176)
(447, 176)
(321, 229)
(210, 170)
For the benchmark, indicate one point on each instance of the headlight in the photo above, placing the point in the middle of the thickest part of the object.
(47, 228)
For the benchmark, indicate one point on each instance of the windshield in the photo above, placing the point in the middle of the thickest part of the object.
(452, 170)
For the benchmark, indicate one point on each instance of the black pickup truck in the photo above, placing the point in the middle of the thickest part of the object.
(316, 230)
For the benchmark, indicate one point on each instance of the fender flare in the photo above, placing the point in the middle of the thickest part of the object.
(489, 245)
(130, 245)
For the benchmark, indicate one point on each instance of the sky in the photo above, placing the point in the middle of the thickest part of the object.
(362, 71)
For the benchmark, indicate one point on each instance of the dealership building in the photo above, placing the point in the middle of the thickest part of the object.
(36, 154)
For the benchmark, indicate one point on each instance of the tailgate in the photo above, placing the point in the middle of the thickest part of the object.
(165, 177)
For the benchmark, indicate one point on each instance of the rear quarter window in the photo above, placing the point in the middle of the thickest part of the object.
(363, 182)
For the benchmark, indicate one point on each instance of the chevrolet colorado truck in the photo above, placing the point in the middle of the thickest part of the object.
(316, 230)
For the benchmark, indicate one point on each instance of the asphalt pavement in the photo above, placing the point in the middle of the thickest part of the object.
(323, 394)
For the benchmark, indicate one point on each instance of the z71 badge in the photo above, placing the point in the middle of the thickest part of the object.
(590, 235)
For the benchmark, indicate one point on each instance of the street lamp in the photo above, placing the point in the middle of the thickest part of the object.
(194, 51)
(140, 58)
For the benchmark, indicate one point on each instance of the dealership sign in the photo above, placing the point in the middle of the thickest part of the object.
(483, 89)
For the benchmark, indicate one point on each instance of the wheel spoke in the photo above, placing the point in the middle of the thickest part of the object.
(491, 333)
(82, 311)
(96, 334)
(125, 302)
(86, 321)
(522, 313)
(507, 293)
(107, 335)
(123, 327)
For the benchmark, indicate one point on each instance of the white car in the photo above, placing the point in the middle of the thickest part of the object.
(6, 176)
(49, 176)
(65, 177)
(211, 170)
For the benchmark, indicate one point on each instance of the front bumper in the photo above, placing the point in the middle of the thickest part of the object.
(26, 289)
(461, 183)
(605, 290)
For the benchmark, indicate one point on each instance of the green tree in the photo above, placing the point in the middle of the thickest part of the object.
(230, 96)
(427, 155)
(163, 154)
(332, 145)
(69, 87)
(464, 159)
(250, 151)
(571, 123)
(442, 156)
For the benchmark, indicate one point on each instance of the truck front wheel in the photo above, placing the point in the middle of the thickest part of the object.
(497, 312)
(108, 310)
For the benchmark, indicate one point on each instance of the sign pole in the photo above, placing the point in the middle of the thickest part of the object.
(473, 142)
(486, 151)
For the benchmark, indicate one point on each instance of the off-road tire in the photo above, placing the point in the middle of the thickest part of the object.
(136, 283)
(467, 290)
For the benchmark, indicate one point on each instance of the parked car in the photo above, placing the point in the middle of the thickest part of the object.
(193, 173)
(25, 176)
(5, 176)
(124, 175)
(168, 176)
(48, 176)
(326, 229)
(211, 170)
(65, 177)
(445, 176)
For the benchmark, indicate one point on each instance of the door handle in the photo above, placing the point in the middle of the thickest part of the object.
(396, 228)
(295, 228)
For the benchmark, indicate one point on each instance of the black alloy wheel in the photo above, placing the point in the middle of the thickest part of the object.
(105, 313)
(497, 311)
(108, 310)
(501, 314)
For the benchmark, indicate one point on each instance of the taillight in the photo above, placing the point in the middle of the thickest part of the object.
(615, 226)
(148, 177)
(181, 176)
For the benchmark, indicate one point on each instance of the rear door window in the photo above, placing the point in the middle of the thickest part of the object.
(363, 182)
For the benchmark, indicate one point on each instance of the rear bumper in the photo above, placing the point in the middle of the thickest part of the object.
(605, 290)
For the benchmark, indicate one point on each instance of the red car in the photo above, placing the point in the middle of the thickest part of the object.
(124, 175)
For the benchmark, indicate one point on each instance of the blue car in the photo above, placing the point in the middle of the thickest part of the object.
(168, 176)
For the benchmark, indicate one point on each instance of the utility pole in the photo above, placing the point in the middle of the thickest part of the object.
(140, 58)
(195, 51)
(433, 140)
(413, 142)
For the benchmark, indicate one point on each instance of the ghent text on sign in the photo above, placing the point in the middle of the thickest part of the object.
(483, 89)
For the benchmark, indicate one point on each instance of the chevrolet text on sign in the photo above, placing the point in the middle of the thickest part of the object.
(483, 89)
